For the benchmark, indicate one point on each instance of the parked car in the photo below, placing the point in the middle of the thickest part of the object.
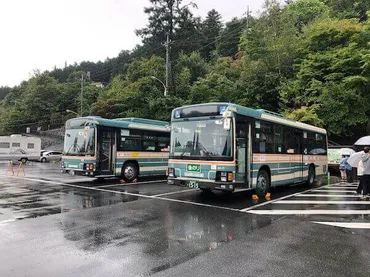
(49, 156)
(18, 155)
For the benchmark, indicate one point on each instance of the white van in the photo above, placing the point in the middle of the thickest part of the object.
(19, 148)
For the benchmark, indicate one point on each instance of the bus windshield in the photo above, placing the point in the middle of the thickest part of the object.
(79, 141)
(205, 139)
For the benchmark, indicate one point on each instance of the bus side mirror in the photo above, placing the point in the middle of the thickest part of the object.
(227, 124)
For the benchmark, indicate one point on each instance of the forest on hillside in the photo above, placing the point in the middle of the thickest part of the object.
(308, 60)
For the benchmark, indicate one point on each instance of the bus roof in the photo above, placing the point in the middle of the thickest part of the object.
(132, 123)
(255, 113)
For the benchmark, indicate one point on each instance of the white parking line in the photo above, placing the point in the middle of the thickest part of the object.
(325, 190)
(130, 184)
(273, 201)
(174, 192)
(339, 188)
(346, 186)
(7, 221)
(292, 195)
(319, 202)
(349, 225)
(309, 212)
(328, 195)
(131, 194)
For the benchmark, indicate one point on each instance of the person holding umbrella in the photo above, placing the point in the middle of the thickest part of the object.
(355, 160)
(360, 176)
(366, 177)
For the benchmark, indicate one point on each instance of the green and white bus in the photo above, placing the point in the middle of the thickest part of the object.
(223, 146)
(122, 147)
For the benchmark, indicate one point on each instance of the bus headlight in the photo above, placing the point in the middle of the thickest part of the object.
(230, 176)
(224, 176)
(89, 167)
(171, 172)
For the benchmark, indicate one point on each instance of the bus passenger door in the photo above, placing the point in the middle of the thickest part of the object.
(298, 158)
(106, 145)
(242, 131)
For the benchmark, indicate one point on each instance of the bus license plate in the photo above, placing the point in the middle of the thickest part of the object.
(192, 184)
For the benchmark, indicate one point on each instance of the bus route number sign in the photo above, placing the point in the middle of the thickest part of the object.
(193, 168)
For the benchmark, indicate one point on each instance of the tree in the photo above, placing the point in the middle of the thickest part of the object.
(270, 48)
(228, 42)
(332, 75)
(189, 69)
(164, 18)
(210, 29)
(4, 91)
(345, 9)
(306, 11)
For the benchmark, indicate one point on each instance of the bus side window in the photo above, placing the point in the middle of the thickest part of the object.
(289, 141)
(131, 142)
(278, 139)
(265, 138)
(163, 144)
(149, 141)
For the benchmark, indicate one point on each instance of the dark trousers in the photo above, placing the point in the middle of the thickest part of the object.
(349, 176)
(365, 184)
(360, 184)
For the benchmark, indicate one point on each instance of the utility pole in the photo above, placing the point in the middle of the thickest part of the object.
(82, 91)
(167, 62)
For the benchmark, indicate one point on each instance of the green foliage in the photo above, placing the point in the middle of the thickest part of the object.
(306, 11)
(4, 91)
(227, 43)
(210, 31)
(349, 9)
(306, 114)
(343, 108)
(332, 75)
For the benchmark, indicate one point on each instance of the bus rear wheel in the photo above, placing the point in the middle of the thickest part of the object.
(311, 176)
(263, 183)
(129, 172)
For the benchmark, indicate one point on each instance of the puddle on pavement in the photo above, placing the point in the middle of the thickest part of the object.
(27, 199)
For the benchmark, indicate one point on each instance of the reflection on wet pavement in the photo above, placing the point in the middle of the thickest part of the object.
(157, 234)
(27, 199)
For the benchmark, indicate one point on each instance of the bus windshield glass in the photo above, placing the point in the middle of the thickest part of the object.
(79, 141)
(205, 139)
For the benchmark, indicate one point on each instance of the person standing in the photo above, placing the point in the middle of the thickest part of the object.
(348, 168)
(360, 175)
(342, 168)
(366, 177)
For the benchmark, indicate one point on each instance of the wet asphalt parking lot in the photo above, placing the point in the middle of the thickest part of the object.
(52, 224)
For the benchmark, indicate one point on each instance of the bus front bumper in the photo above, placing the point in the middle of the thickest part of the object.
(199, 184)
(76, 171)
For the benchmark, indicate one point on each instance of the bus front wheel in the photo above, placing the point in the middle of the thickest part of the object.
(129, 172)
(263, 183)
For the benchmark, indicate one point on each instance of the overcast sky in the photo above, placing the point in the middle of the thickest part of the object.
(41, 34)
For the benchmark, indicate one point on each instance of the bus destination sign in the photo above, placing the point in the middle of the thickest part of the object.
(206, 110)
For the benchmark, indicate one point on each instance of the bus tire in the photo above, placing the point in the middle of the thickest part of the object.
(263, 183)
(129, 172)
(311, 175)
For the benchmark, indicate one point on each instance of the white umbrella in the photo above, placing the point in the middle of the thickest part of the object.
(355, 158)
(363, 141)
(346, 151)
